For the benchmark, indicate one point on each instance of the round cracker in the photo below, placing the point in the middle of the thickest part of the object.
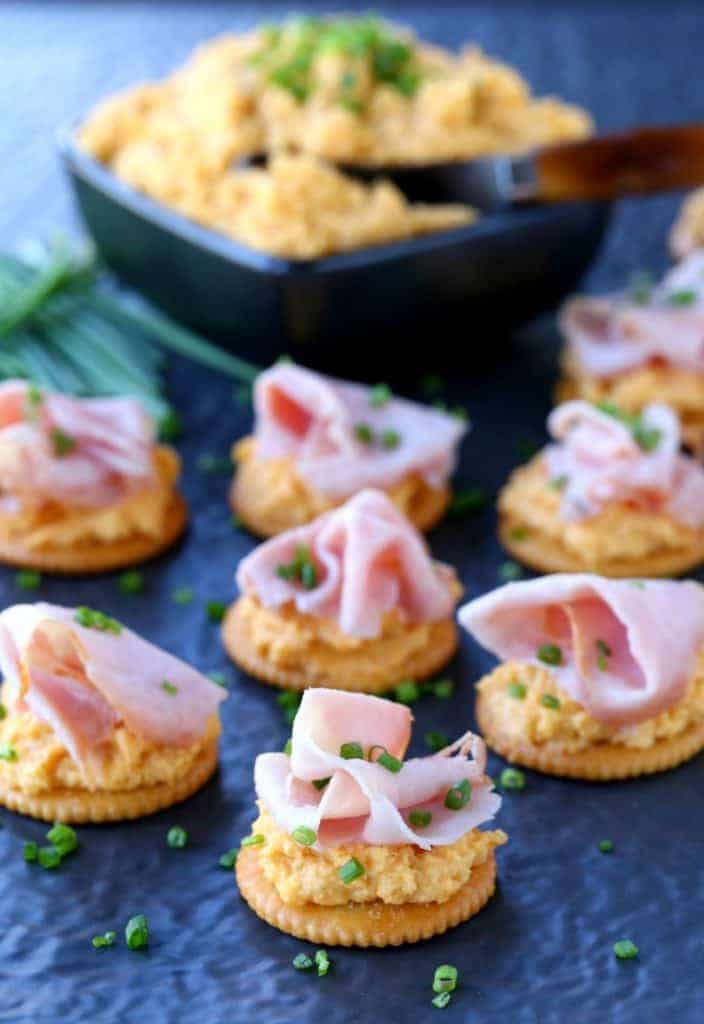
(81, 806)
(599, 762)
(363, 924)
(238, 643)
(95, 556)
(544, 554)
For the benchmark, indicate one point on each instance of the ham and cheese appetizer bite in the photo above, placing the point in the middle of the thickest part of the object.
(612, 495)
(318, 441)
(83, 485)
(640, 347)
(600, 679)
(353, 845)
(98, 724)
(353, 601)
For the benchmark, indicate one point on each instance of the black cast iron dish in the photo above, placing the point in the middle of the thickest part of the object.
(498, 273)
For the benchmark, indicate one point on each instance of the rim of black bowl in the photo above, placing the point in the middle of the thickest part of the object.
(85, 166)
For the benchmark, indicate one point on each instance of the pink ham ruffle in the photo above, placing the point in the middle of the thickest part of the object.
(599, 462)
(364, 802)
(369, 561)
(653, 629)
(313, 419)
(111, 455)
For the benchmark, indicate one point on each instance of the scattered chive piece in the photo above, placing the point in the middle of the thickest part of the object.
(647, 438)
(458, 796)
(7, 752)
(443, 688)
(169, 688)
(170, 426)
(385, 759)
(686, 297)
(321, 783)
(512, 778)
(603, 655)
(639, 584)
(137, 932)
(92, 619)
(176, 838)
(350, 871)
(131, 582)
(3, 712)
(49, 857)
(301, 568)
(517, 690)
(28, 579)
(30, 852)
(407, 691)
(558, 483)
(351, 750)
(256, 839)
(215, 610)
(519, 533)
(62, 443)
(322, 962)
(445, 978)
(432, 385)
(436, 741)
(63, 839)
(304, 836)
(219, 678)
(641, 287)
(606, 846)
(379, 395)
(237, 523)
(228, 859)
(288, 747)
(302, 962)
(420, 819)
(103, 941)
(624, 949)
(467, 500)
(308, 575)
(509, 571)
(550, 701)
(550, 654)
(390, 439)
(182, 595)
(214, 463)
(288, 701)
(364, 433)
(441, 1000)
(526, 449)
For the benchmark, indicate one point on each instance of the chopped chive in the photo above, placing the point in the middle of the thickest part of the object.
(236, 521)
(420, 819)
(103, 941)
(7, 752)
(288, 747)
(3, 712)
(350, 871)
(647, 438)
(526, 449)
(322, 962)
(288, 701)
(137, 932)
(301, 568)
(49, 857)
(550, 701)
(176, 838)
(638, 584)
(509, 571)
(170, 426)
(379, 395)
(445, 978)
(351, 750)
(441, 1000)
(63, 839)
(390, 439)
(432, 385)
(513, 779)
(308, 575)
(215, 610)
(30, 852)
(606, 846)
(519, 533)
(385, 759)
(517, 690)
(603, 654)
(256, 839)
(62, 443)
(214, 463)
(641, 287)
(436, 741)
(228, 859)
(304, 836)
(624, 949)
(407, 691)
(321, 783)
(467, 500)
(28, 579)
(458, 796)
(131, 582)
(182, 595)
(558, 483)
(442, 688)
(219, 678)
(686, 297)
(364, 433)
(169, 688)
(550, 654)
(302, 962)
(92, 619)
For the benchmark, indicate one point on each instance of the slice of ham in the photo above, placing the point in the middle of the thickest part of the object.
(599, 461)
(654, 630)
(612, 334)
(312, 419)
(364, 802)
(113, 442)
(84, 681)
(369, 561)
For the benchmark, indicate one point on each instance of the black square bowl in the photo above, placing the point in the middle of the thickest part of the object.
(445, 290)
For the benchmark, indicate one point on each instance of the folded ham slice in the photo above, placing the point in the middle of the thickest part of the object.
(628, 647)
(88, 452)
(600, 459)
(613, 334)
(364, 802)
(369, 560)
(83, 681)
(313, 420)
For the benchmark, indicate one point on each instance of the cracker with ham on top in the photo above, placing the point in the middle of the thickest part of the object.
(353, 845)
(612, 494)
(317, 441)
(352, 601)
(84, 487)
(599, 679)
(99, 724)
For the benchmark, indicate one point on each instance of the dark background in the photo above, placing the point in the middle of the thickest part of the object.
(541, 952)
